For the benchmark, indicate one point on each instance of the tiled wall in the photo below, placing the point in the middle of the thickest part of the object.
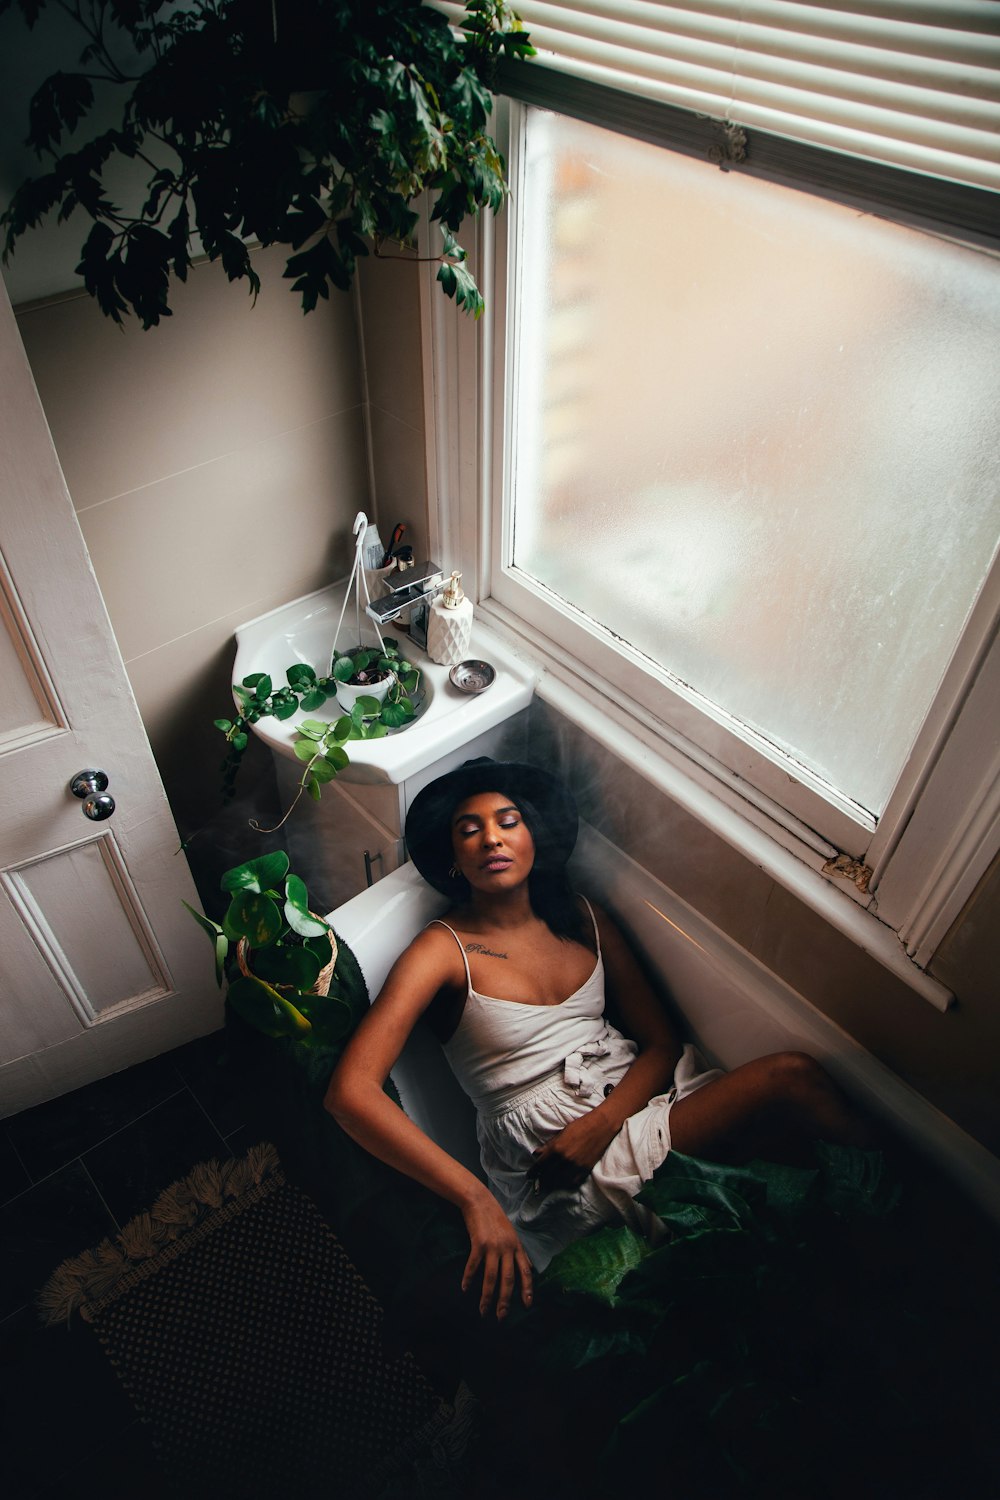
(390, 328)
(951, 1059)
(216, 464)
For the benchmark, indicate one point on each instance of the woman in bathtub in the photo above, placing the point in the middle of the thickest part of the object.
(573, 1116)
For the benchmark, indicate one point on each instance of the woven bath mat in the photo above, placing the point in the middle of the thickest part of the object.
(247, 1341)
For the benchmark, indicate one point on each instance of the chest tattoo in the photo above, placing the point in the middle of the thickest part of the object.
(481, 948)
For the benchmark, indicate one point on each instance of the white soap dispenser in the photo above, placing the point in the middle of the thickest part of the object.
(449, 625)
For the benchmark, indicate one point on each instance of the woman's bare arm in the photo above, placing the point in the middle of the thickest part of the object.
(566, 1161)
(356, 1099)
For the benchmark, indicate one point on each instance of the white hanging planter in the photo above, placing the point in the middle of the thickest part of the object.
(398, 713)
(357, 581)
(348, 693)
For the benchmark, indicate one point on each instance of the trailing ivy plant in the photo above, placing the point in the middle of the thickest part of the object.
(320, 743)
(313, 124)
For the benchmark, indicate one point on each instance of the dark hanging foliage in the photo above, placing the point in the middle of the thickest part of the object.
(310, 123)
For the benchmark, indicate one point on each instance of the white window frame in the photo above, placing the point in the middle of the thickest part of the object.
(894, 887)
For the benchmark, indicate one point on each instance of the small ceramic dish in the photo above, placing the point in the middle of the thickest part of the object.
(472, 676)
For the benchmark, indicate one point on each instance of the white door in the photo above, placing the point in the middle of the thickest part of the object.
(100, 966)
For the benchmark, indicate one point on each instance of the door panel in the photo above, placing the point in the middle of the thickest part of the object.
(100, 964)
(27, 710)
(79, 905)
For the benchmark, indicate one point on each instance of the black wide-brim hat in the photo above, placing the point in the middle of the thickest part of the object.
(428, 822)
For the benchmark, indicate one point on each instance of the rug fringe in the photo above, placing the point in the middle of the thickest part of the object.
(84, 1278)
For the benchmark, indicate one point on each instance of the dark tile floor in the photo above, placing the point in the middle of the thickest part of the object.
(71, 1172)
(76, 1169)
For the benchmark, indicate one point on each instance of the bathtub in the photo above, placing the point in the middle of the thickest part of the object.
(728, 1003)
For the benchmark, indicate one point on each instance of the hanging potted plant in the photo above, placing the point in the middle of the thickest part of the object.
(366, 672)
(291, 978)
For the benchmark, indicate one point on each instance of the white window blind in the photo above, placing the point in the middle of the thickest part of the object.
(908, 83)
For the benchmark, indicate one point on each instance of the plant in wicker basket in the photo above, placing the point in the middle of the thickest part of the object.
(283, 980)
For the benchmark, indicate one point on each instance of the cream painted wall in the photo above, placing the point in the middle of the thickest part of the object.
(216, 464)
(389, 315)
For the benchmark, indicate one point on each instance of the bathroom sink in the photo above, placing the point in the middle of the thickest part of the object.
(302, 631)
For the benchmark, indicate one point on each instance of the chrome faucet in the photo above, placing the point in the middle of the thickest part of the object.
(411, 588)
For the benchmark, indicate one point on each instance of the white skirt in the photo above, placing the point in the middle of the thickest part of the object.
(511, 1132)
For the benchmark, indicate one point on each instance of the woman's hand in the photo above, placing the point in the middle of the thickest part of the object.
(566, 1161)
(497, 1249)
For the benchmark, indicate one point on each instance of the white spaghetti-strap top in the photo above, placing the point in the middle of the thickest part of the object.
(531, 1070)
(501, 1048)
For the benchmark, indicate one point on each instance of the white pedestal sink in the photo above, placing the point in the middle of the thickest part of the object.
(353, 833)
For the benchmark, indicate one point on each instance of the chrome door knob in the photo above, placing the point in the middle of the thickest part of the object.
(86, 783)
(89, 787)
(98, 808)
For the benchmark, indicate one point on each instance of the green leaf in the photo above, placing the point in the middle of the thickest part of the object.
(458, 282)
(253, 916)
(342, 728)
(224, 724)
(301, 674)
(305, 748)
(323, 770)
(343, 669)
(178, 234)
(331, 1017)
(263, 688)
(596, 1265)
(295, 968)
(320, 946)
(220, 942)
(259, 874)
(236, 259)
(267, 1010)
(368, 705)
(297, 913)
(313, 268)
(313, 729)
(285, 710)
(395, 714)
(253, 679)
(61, 102)
(315, 698)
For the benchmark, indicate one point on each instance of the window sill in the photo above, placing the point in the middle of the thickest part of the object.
(792, 855)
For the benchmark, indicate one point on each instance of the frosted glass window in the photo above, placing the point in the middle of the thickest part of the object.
(755, 436)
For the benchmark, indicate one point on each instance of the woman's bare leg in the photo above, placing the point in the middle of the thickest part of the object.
(774, 1108)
